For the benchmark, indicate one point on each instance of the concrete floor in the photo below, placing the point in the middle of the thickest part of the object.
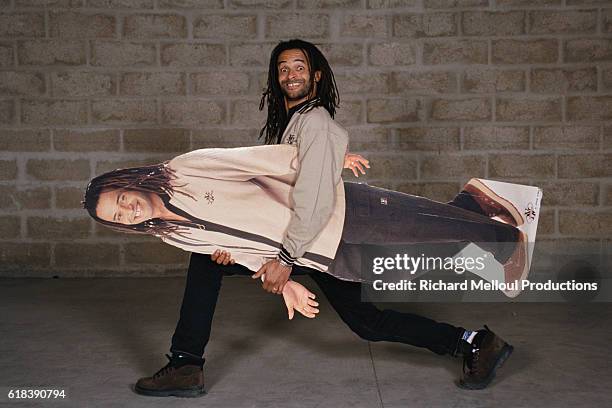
(95, 337)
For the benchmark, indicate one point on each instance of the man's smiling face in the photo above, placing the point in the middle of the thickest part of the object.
(125, 206)
(294, 77)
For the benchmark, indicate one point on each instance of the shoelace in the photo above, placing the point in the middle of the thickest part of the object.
(472, 361)
(165, 369)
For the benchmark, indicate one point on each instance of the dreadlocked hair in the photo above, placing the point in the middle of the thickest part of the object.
(327, 91)
(154, 179)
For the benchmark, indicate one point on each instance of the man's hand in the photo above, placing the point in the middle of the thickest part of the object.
(298, 298)
(222, 257)
(356, 161)
(276, 276)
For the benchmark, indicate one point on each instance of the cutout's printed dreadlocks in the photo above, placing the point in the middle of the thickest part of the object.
(327, 91)
(156, 179)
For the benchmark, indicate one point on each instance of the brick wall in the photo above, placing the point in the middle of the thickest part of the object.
(433, 92)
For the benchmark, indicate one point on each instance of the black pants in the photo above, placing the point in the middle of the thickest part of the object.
(204, 279)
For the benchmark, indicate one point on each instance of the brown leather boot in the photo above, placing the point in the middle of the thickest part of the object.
(177, 379)
(492, 204)
(487, 353)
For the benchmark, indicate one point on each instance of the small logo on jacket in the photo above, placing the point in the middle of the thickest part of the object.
(209, 196)
(291, 139)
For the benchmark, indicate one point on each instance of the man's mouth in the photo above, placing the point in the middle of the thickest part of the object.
(293, 85)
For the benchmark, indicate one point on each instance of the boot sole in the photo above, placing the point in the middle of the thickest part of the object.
(501, 359)
(186, 393)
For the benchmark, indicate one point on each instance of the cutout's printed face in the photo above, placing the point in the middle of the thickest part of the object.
(294, 77)
(125, 206)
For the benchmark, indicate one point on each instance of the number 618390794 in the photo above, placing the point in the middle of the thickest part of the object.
(36, 393)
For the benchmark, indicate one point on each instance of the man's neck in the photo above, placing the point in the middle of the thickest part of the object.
(161, 211)
(289, 105)
(295, 107)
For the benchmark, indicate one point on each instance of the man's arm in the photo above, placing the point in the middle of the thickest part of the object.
(321, 159)
(296, 296)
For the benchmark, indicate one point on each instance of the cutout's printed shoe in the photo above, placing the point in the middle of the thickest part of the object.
(513, 204)
(492, 204)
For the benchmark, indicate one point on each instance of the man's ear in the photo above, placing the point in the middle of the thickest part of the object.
(317, 76)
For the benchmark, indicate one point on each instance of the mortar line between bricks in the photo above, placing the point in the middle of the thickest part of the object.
(599, 21)
(375, 375)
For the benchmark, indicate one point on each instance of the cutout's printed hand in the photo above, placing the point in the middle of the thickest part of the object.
(276, 276)
(222, 257)
(298, 298)
(356, 162)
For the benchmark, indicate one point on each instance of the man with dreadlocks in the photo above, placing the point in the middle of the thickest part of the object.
(297, 184)
(302, 98)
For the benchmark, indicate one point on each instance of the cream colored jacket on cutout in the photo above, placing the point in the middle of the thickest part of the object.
(245, 196)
